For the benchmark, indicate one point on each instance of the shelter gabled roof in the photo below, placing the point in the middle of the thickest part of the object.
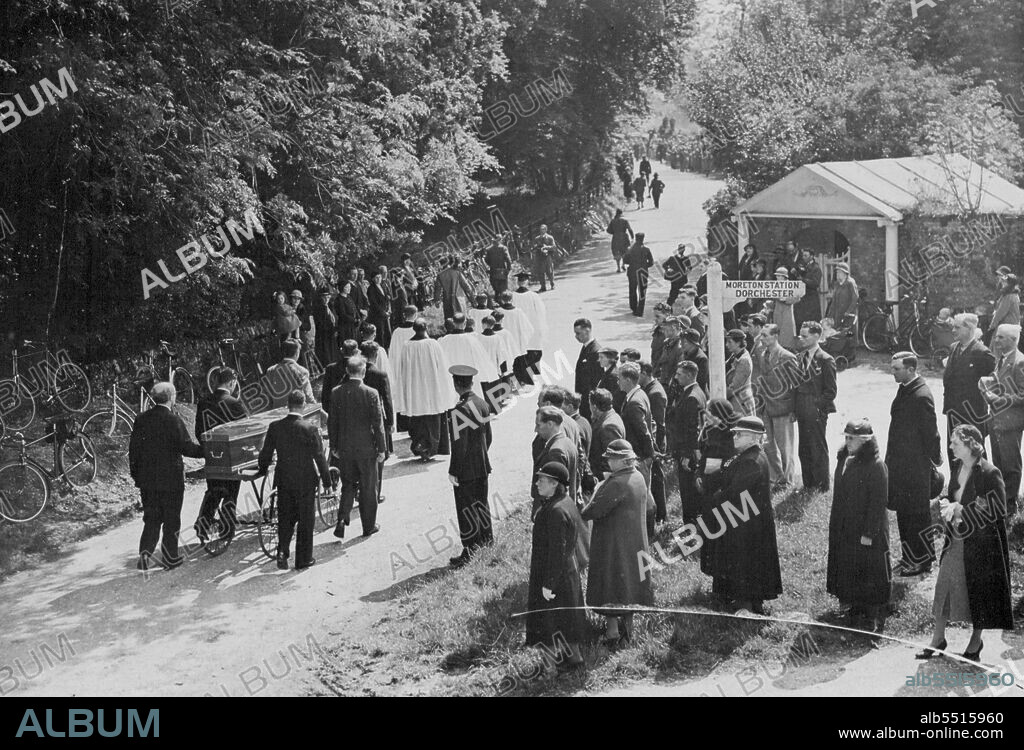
(930, 185)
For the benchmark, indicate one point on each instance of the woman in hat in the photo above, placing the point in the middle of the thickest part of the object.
(716, 447)
(974, 575)
(347, 312)
(858, 530)
(619, 534)
(286, 322)
(745, 558)
(782, 313)
(554, 577)
(1007, 306)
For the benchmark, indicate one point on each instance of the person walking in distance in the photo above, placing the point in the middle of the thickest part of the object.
(499, 266)
(640, 189)
(657, 188)
(159, 440)
(544, 251)
(645, 168)
(815, 400)
(777, 406)
(912, 449)
(638, 259)
(358, 444)
(1005, 395)
(300, 458)
(470, 430)
(969, 361)
(622, 235)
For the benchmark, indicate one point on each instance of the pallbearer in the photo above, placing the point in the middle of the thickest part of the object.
(470, 432)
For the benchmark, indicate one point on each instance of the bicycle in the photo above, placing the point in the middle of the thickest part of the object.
(26, 484)
(881, 333)
(243, 363)
(61, 382)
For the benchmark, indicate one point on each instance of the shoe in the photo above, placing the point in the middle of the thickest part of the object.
(380, 500)
(372, 531)
(310, 564)
(458, 562)
(282, 562)
(929, 652)
(339, 530)
(201, 534)
(917, 571)
(145, 561)
(973, 655)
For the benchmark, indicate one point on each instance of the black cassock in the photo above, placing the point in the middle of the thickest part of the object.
(553, 566)
(745, 559)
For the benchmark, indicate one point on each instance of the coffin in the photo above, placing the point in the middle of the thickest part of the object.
(235, 446)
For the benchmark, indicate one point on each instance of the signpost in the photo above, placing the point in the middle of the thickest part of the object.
(723, 294)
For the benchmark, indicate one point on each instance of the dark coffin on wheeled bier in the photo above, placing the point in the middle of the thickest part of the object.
(235, 446)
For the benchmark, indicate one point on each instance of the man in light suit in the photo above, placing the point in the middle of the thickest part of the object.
(469, 466)
(358, 444)
(300, 458)
(1006, 399)
(159, 440)
(815, 400)
(775, 398)
(289, 373)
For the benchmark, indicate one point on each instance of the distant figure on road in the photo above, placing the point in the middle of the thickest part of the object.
(544, 251)
(499, 266)
(638, 260)
(640, 188)
(657, 188)
(645, 168)
(448, 285)
(622, 235)
(159, 440)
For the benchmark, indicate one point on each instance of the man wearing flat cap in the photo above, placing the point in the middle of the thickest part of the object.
(470, 431)
(746, 557)
(845, 297)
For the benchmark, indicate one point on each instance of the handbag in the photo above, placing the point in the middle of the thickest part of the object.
(936, 484)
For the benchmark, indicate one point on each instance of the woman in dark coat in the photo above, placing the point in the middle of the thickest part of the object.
(348, 314)
(622, 235)
(554, 577)
(326, 329)
(716, 447)
(618, 536)
(809, 306)
(858, 530)
(1007, 309)
(745, 558)
(974, 574)
(379, 312)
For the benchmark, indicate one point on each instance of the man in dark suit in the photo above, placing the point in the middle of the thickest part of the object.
(377, 379)
(910, 453)
(553, 445)
(815, 400)
(334, 373)
(969, 361)
(220, 407)
(691, 341)
(683, 422)
(636, 417)
(658, 399)
(300, 457)
(588, 370)
(356, 430)
(379, 301)
(608, 358)
(499, 266)
(470, 434)
(159, 440)
(1006, 398)
(607, 426)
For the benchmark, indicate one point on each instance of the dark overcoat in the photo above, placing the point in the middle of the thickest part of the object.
(553, 566)
(913, 446)
(857, 573)
(619, 534)
(986, 554)
(745, 559)
(965, 366)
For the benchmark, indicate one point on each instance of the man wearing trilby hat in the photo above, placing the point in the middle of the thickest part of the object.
(470, 431)
(746, 557)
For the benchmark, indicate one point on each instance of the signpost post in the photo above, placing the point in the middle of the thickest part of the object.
(723, 294)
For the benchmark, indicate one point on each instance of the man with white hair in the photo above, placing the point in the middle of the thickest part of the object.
(159, 440)
(969, 361)
(1006, 398)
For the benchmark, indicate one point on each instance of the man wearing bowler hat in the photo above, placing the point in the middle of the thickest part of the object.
(746, 557)
(470, 431)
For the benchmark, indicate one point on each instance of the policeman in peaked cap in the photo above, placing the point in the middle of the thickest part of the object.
(470, 432)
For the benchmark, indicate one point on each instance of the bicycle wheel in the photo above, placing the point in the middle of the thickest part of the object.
(877, 334)
(920, 341)
(71, 387)
(247, 369)
(110, 434)
(24, 490)
(77, 458)
(184, 388)
(210, 385)
(327, 505)
(17, 407)
(267, 527)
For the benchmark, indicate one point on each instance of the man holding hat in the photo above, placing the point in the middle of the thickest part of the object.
(746, 557)
(845, 297)
(470, 432)
(554, 601)
(622, 524)
(782, 313)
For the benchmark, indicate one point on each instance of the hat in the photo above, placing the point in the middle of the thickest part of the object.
(609, 352)
(684, 320)
(692, 335)
(662, 307)
(325, 292)
(464, 371)
(782, 271)
(1003, 271)
(296, 293)
(858, 427)
(844, 267)
(749, 424)
(555, 470)
(619, 449)
(690, 289)
(757, 318)
(523, 275)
